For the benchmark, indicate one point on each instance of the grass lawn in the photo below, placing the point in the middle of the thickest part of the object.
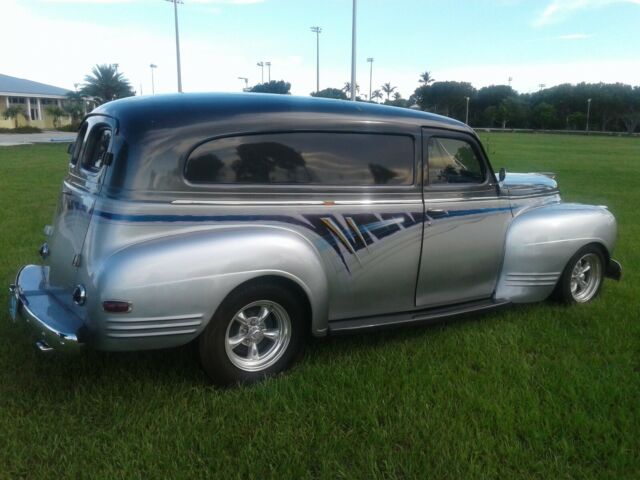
(539, 391)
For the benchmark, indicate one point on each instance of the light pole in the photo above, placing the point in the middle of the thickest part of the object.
(261, 65)
(510, 80)
(175, 13)
(586, 128)
(317, 31)
(246, 83)
(115, 66)
(268, 65)
(353, 52)
(370, 60)
(153, 66)
(466, 118)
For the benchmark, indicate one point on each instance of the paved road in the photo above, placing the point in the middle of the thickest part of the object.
(8, 139)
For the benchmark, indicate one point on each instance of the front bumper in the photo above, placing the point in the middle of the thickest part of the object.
(55, 325)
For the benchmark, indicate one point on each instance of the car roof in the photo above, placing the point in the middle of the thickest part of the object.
(179, 110)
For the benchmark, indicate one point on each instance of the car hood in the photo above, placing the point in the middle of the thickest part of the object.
(526, 184)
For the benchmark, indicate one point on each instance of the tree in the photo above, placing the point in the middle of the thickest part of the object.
(14, 112)
(74, 106)
(447, 98)
(426, 78)
(376, 94)
(388, 89)
(105, 83)
(544, 115)
(347, 87)
(274, 86)
(330, 93)
(56, 112)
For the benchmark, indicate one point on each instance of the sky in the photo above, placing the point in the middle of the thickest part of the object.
(480, 41)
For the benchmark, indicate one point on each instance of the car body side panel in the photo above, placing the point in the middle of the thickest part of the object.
(540, 242)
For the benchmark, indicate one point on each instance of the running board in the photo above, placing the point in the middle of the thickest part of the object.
(415, 317)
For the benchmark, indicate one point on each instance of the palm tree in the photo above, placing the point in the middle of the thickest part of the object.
(426, 78)
(56, 112)
(105, 84)
(397, 96)
(376, 94)
(14, 112)
(347, 87)
(388, 89)
(74, 106)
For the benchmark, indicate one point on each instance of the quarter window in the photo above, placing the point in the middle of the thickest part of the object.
(96, 148)
(312, 158)
(453, 161)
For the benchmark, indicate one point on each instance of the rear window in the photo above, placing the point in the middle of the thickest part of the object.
(309, 158)
(97, 147)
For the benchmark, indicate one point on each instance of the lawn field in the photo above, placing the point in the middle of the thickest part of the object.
(538, 391)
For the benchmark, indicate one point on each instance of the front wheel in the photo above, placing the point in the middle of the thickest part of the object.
(257, 331)
(582, 277)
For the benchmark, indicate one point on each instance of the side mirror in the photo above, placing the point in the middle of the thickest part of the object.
(70, 147)
(502, 175)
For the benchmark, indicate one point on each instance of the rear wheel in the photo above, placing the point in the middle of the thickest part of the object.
(257, 331)
(582, 278)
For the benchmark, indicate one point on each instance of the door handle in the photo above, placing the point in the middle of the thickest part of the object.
(437, 212)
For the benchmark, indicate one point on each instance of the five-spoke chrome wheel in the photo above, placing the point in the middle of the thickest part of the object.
(258, 335)
(586, 276)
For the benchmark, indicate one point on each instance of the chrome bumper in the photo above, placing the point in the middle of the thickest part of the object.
(55, 326)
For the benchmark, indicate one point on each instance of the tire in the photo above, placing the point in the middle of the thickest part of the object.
(258, 331)
(582, 278)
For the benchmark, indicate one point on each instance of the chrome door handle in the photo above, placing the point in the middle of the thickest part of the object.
(437, 212)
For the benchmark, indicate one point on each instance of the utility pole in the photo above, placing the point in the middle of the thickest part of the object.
(353, 52)
(317, 31)
(268, 65)
(153, 66)
(261, 65)
(246, 83)
(175, 13)
(586, 129)
(370, 60)
(467, 115)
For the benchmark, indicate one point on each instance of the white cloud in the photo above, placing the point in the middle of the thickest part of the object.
(573, 36)
(558, 10)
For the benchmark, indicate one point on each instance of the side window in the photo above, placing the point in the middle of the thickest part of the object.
(313, 158)
(96, 148)
(452, 161)
(77, 146)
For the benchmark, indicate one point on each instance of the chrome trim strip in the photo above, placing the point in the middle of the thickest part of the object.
(296, 202)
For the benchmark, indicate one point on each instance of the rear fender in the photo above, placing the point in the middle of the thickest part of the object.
(181, 280)
(540, 242)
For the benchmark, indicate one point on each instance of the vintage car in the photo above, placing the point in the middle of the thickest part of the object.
(246, 221)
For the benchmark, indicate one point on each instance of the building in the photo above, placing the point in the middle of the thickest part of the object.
(34, 98)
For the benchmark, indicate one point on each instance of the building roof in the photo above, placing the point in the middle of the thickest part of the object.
(21, 86)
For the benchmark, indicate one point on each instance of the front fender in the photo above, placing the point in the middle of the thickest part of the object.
(540, 242)
(176, 283)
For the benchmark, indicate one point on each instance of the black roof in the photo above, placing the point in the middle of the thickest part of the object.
(175, 110)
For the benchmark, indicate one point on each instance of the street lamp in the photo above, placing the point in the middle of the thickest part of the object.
(370, 60)
(246, 83)
(586, 129)
(353, 52)
(268, 65)
(510, 80)
(317, 31)
(466, 118)
(261, 65)
(153, 66)
(175, 13)
(115, 66)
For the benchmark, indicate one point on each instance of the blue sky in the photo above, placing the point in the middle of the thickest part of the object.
(481, 41)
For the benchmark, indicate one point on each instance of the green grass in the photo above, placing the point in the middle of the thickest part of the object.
(539, 391)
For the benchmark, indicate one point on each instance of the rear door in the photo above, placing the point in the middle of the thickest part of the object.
(79, 191)
(465, 222)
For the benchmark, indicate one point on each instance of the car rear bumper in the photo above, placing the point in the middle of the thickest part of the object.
(56, 327)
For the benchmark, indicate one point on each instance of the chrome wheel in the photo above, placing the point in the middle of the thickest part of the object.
(586, 276)
(258, 335)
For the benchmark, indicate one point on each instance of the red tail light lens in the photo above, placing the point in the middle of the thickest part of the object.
(116, 306)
